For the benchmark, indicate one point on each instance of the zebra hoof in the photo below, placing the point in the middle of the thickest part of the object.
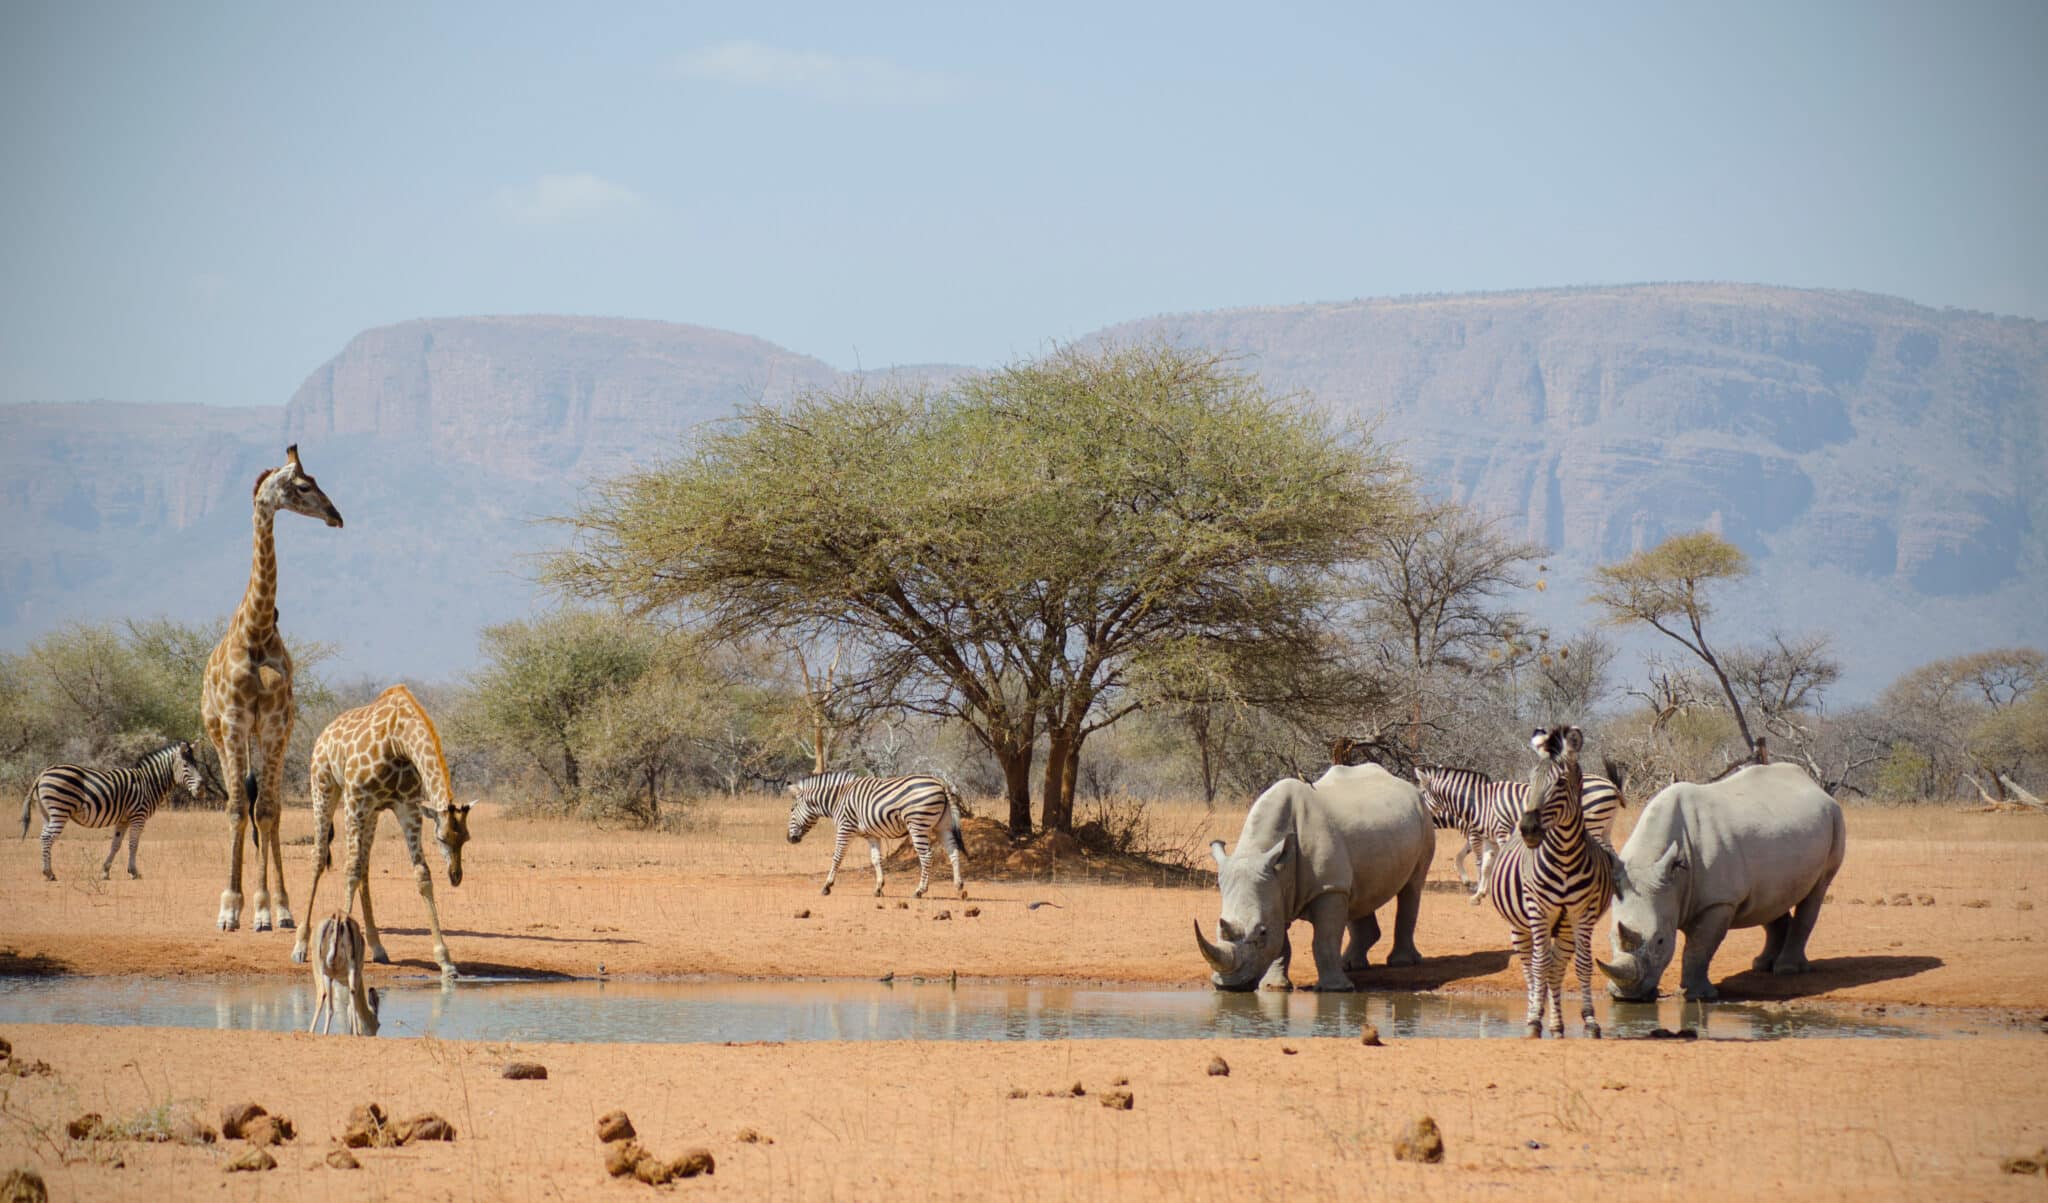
(1592, 1030)
(826, 888)
(49, 876)
(1532, 1031)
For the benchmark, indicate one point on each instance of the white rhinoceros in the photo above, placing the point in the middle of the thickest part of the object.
(1757, 849)
(1332, 853)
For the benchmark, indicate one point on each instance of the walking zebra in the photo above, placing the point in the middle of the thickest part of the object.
(880, 808)
(1554, 883)
(119, 798)
(1487, 810)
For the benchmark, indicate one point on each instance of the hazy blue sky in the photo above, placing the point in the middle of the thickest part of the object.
(203, 202)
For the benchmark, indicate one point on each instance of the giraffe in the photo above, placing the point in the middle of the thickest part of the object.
(246, 697)
(385, 755)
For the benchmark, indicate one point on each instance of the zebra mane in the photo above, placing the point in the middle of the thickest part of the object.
(818, 781)
(162, 756)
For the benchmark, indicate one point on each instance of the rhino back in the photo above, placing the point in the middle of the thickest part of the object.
(1373, 830)
(1760, 839)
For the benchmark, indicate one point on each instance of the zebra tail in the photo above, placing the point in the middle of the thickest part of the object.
(955, 810)
(28, 806)
(1614, 774)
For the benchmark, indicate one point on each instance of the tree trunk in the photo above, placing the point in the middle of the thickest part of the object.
(1017, 788)
(1059, 796)
(1200, 721)
(571, 771)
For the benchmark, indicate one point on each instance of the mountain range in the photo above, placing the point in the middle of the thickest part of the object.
(1881, 461)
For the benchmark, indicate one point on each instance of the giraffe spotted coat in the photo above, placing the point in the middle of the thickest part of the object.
(384, 756)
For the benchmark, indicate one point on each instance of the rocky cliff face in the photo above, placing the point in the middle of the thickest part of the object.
(1880, 460)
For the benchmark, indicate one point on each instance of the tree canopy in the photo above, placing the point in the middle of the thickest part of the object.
(1041, 550)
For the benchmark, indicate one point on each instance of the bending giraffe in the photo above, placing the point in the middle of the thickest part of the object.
(384, 756)
(246, 698)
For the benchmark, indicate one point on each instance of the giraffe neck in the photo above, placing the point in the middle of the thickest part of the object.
(256, 618)
(421, 745)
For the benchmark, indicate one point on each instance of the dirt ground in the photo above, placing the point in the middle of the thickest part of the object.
(1822, 1119)
(553, 898)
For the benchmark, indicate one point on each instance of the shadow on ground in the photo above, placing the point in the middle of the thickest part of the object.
(453, 934)
(1434, 972)
(468, 968)
(18, 964)
(1827, 973)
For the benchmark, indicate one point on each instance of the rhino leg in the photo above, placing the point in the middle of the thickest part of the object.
(1703, 938)
(1792, 957)
(1407, 909)
(1774, 943)
(1276, 973)
(1330, 917)
(1365, 932)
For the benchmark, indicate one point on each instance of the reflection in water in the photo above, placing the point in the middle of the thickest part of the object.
(672, 1012)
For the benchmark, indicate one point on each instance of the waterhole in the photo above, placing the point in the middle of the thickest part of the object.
(907, 1009)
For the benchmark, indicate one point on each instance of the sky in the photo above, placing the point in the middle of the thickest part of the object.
(203, 202)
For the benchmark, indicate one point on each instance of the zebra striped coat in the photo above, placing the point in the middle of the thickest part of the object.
(1486, 811)
(880, 808)
(1554, 890)
(119, 798)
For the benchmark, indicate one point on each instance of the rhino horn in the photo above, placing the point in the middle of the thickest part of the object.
(1617, 975)
(1219, 960)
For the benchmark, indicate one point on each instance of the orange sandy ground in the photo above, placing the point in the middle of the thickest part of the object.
(1811, 1119)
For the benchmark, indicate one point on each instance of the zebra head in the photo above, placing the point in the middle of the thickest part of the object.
(293, 488)
(807, 805)
(451, 831)
(185, 769)
(1430, 778)
(1555, 787)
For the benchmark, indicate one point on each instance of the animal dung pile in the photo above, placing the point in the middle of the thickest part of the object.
(1422, 1142)
(972, 912)
(1369, 1036)
(250, 1122)
(23, 1186)
(1119, 1100)
(2026, 1163)
(341, 1159)
(84, 1126)
(254, 1159)
(1219, 1068)
(624, 1157)
(525, 1071)
(369, 1128)
(749, 1136)
(235, 1116)
(942, 915)
(804, 914)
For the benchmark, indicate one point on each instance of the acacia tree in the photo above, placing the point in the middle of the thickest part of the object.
(1665, 587)
(1020, 549)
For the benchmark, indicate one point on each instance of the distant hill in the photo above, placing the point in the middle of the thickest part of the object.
(1881, 460)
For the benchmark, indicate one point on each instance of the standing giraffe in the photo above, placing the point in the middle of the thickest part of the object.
(385, 755)
(246, 698)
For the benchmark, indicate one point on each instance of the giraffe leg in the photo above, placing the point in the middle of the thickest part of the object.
(107, 869)
(922, 842)
(362, 829)
(409, 823)
(875, 856)
(234, 770)
(269, 814)
(325, 793)
(134, 842)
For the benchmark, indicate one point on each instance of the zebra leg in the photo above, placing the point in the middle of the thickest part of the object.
(1531, 950)
(1553, 978)
(922, 842)
(875, 858)
(107, 869)
(953, 847)
(1466, 850)
(53, 826)
(134, 842)
(839, 838)
(1486, 856)
(1582, 961)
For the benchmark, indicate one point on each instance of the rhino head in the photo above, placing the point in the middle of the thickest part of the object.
(1257, 888)
(1645, 924)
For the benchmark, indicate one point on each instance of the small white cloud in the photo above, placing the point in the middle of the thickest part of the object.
(838, 78)
(567, 197)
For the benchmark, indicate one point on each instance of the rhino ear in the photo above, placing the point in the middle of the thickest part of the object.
(1216, 851)
(1673, 861)
(1278, 855)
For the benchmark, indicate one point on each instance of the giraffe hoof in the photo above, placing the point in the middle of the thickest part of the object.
(298, 954)
(285, 923)
(261, 924)
(380, 956)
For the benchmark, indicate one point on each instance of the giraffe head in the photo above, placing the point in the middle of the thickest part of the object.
(451, 831)
(293, 488)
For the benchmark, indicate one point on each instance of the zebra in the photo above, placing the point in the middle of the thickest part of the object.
(1487, 811)
(881, 808)
(1554, 883)
(119, 798)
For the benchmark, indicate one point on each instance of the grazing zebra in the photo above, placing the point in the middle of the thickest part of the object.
(880, 808)
(119, 798)
(1554, 883)
(1487, 810)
